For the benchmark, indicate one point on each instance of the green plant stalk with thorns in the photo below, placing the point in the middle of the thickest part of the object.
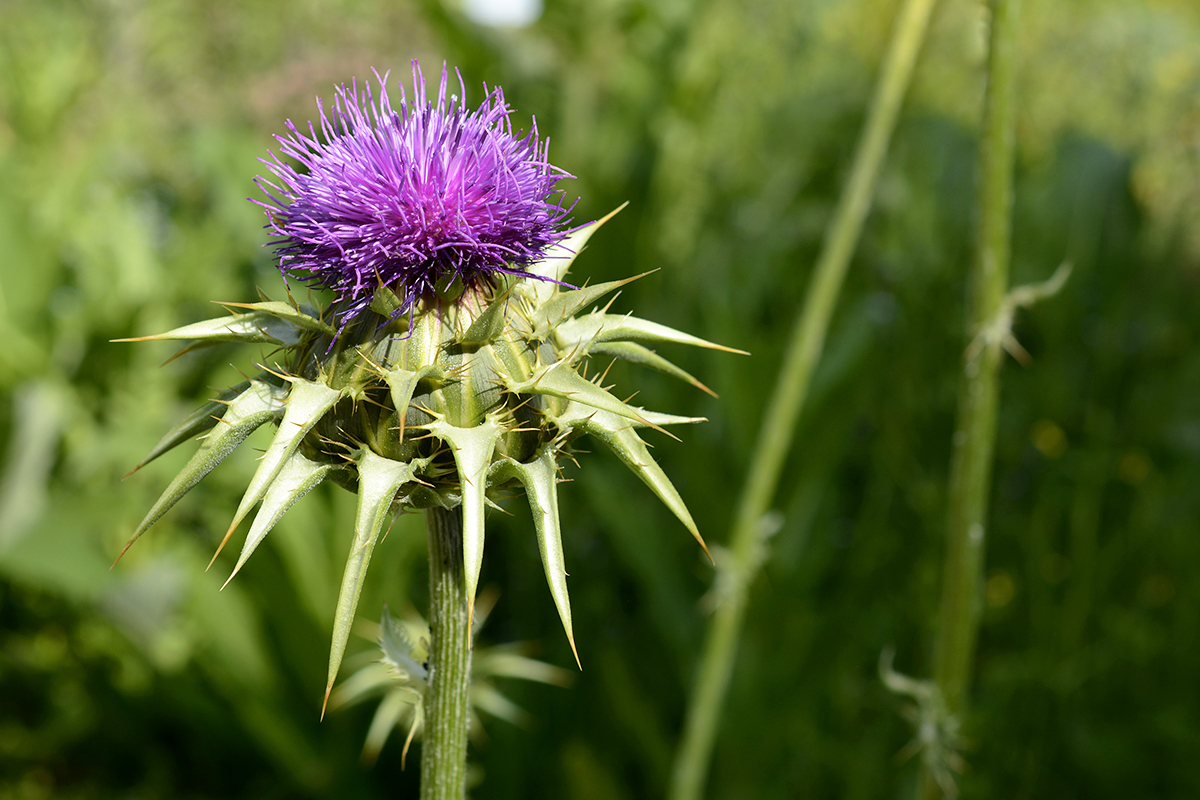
(747, 549)
(978, 402)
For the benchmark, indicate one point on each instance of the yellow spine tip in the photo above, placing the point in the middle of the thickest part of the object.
(221, 547)
(121, 554)
(575, 652)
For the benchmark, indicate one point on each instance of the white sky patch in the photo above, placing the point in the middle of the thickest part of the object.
(503, 13)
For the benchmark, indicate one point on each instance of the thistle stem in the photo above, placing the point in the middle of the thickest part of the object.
(787, 400)
(979, 387)
(447, 696)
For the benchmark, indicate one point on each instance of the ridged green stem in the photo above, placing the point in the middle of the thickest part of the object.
(975, 431)
(447, 696)
(783, 409)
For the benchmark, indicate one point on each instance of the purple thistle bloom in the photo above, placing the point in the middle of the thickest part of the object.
(410, 198)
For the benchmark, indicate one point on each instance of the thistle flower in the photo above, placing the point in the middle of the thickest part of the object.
(411, 199)
(451, 367)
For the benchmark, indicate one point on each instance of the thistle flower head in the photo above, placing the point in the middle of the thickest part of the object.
(414, 198)
(413, 402)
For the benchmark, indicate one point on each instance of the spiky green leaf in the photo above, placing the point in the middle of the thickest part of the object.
(259, 403)
(399, 651)
(307, 402)
(601, 327)
(298, 316)
(566, 304)
(488, 325)
(253, 326)
(402, 383)
(622, 439)
(194, 424)
(637, 354)
(298, 477)
(540, 479)
(560, 380)
(378, 481)
(472, 449)
(559, 258)
(658, 418)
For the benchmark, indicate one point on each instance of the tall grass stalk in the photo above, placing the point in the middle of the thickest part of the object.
(779, 422)
(979, 389)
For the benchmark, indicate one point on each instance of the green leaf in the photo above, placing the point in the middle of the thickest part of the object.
(298, 477)
(399, 651)
(254, 407)
(366, 682)
(540, 479)
(659, 418)
(506, 661)
(601, 327)
(288, 313)
(194, 424)
(402, 383)
(255, 326)
(488, 326)
(560, 257)
(622, 439)
(637, 354)
(306, 404)
(379, 479)
(385, 302)
(487, 698)
(391, 712)
(565, 304)
(560, 380)
(472, 449)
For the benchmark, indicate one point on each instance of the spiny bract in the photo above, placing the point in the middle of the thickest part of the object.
(453, 403)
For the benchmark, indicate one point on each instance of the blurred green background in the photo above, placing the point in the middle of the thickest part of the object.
(129, 133)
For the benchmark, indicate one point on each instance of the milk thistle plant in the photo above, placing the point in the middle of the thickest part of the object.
(449, 370)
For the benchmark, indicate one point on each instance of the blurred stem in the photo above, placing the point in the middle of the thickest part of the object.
(783, 409)
(447, 696)
(975, 432)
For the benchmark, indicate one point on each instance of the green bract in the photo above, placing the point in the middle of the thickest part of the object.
(453, 404)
